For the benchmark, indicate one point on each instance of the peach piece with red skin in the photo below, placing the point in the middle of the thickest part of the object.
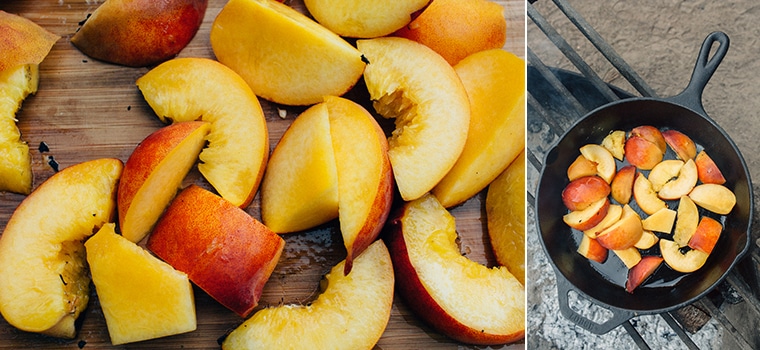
(651, 134)
(581, 167)
(642, 153)
(707, 235)
(707, 171)
(580, 193)
(621, 187)
(624, 233)
(681, 144)
(592, 250)
(588, 218)
(639, 273)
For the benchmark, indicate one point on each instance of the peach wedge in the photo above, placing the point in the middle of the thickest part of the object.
(416, 86)
(141, 296)
(460, 298)
(153, 174)
(350, 313)
(284, 56)
(363, 18)
(495, 83)
(187, 89)
(505, 215)
(23, 46)
(44, 283)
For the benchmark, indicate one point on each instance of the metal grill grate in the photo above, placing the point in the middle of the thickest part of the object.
(553, 107)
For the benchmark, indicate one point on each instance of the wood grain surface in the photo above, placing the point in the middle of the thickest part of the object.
(86, 109)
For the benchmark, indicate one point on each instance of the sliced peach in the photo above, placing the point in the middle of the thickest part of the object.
(648, 240)
(713, 197)
(681, 185)
(460, 298)
(411, 83)
(139, 33)
(153, 174)
(621, 187)
(639, 273)
(605, 162)
(495, 83)
(687, 219)
(285, 56)
(364, 297)
(186, 89)
(363, 19)
(580, 193)
(44, 284)
(651, 134)
(141, 296)
(614, 212)
(663, 172)
(23, 42)
(642, 153)
(707, 171)
(687, 262)
(222, 249)
(592, 250)
(624, 233)
(707, 235)
(645, 196)
(588, 218)
(581, 167)
(630, 256)
(681, 144)
(615, 143)
(660, 221)
(505, 216)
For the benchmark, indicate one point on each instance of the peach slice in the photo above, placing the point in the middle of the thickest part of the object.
(687, 219)
(592, 250)
(645, 196)
(651, 134)
(642, 153)
(660, 221)
(283, 55)
(456, 28)
(687, 262)
(681, 144)
(663, 172)
(615, 143)
(139, 33)
(186, 89)
(363, 18)
(681, 185)
(707, 171)
(629, 256)
(605, 162)
(141, 296)
(614, 212)
(624, 233)
(707, 235)
(154, 172)
(44, 283)
(621, 186)
(411, 83)
(648, 240)
(639, 273)
(222, 249)
(588, 218)
(580, 193)
(495, 83)
(23, 46)
(363, 297)
(460, 298)
(505, 215)
(713, 197)
(23, 42)
(581, 167)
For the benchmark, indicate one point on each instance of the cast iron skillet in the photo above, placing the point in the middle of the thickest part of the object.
(666, 290)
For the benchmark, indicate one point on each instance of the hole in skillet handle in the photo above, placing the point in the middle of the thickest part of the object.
(691, 96)
(618, 315)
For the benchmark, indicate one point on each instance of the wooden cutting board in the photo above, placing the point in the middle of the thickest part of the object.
(86, 109)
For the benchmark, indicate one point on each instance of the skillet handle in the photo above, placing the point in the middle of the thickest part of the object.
(618, 316)
(691, 97)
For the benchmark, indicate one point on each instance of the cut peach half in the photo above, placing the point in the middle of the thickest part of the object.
(44, 282)
(460, 298)
(606, 167)
(285, 56)
(681, 185)
(416, 86)
(495, 83)
(350, 313)
(153, 174)
(186, 89)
